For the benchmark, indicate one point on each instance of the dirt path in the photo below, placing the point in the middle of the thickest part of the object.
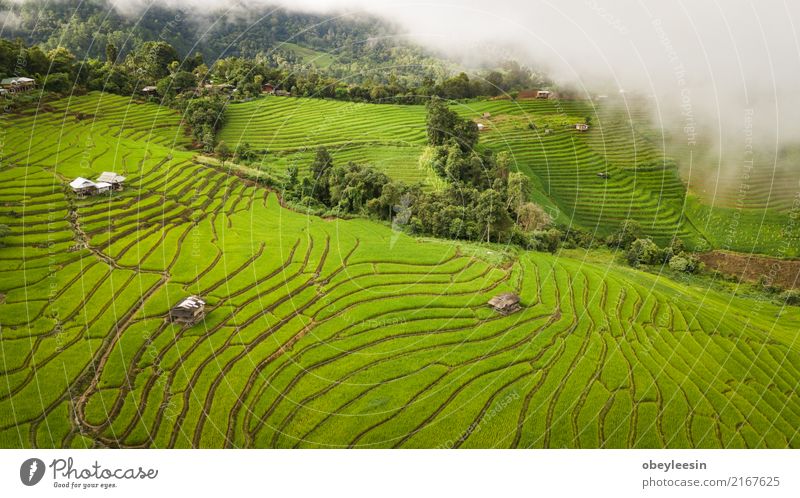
(782, 272)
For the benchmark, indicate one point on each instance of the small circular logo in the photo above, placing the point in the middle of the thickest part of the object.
(31, 471)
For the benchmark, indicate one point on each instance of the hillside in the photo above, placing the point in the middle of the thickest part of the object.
(344, 333)
(356, 47)
(644, 182)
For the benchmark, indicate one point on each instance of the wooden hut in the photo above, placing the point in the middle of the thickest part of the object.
(189, 311)
(114, 180)
(19, 84)
(102, 187)
(581, 126)
(505, 303)
(83, 187)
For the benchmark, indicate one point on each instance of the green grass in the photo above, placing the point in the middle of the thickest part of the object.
(340, 333)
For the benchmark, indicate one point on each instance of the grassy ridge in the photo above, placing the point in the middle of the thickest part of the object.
(339, 333)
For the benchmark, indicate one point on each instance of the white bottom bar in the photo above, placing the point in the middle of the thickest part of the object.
(404, 473)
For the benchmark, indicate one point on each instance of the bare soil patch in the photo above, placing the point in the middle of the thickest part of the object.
(750, 267)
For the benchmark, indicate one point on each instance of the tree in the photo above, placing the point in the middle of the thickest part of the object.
(207, 139)
(465, 132)
(222, 151)
(519, 190)
(112, 53)
(57, 82)
(495, 82)
(320, 170)
(61, 60)
(205, 115)
(176, 83)
(353, 186)
(444, 126)
(440, 122)
(322, 163)
(4, 231)
(644, 251)
(292, 178)
(628, 232)
(434, 159)
(457, 87)
(546, 240)
(37, 61)
(492, 214)
(244, 152)
(684, 262)
(152, 59)
(531, 216)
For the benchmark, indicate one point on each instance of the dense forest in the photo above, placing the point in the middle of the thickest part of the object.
(352, 49)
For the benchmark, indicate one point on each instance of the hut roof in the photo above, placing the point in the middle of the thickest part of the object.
(504, 300)
(110, 177)
(191, 303)
(81, 182)
(16, 81)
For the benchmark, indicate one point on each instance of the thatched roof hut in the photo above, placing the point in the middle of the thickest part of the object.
(506, 303)
(189, 311)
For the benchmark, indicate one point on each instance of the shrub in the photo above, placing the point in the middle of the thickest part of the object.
(791, 297)
(628, 232)
(531, 216)
(679, 263)
(545, 240)
(767, 285)
(644, 251)
(244, 153)
(686, 263)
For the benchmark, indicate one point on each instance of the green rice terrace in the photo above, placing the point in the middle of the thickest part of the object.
(346, 333)
(643, 182)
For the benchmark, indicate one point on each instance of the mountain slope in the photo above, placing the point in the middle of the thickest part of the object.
(338, 333)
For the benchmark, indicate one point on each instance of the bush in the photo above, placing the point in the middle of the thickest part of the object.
(679, 263)
(628, 232)
(545, 240)
(685, 263)
(644, 251)
(791, 297)
(244, 153)
(767, 285)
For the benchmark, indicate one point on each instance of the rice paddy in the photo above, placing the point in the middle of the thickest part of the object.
(643, 182)
(343, 333)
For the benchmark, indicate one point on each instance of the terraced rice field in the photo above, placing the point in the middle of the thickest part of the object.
(339, 333)
(645, 183)
(563, 163)
(389, 137)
